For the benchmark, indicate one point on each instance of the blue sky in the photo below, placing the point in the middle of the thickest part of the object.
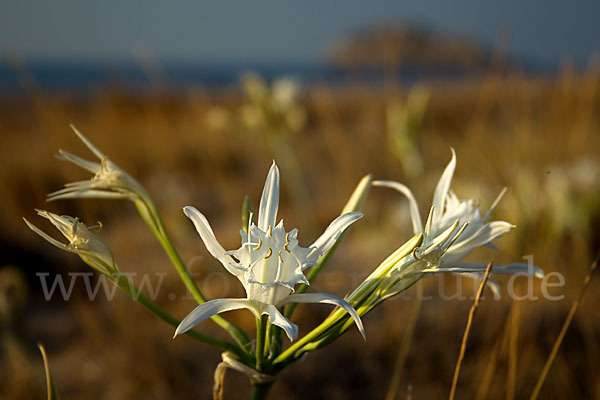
(282, 31)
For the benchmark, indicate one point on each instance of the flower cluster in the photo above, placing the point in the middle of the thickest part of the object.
(271, 264)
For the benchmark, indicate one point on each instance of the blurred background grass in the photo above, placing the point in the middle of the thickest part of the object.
(537, 134)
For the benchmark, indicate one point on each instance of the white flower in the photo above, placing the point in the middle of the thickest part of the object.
(285, 92)
(275, 108)
(269, 264)
(449, 213)
(92, 250)
(109, 181)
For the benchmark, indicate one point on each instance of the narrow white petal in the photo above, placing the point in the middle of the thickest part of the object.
(484, 235)
(89, 144)
(85, 164)
(277, 319)
(322, 245)
(325, 298)
(46, 236)
(494, 204)
(210, 308)
(441, 190)
(412, 202)
(80, 193)
(205, 232)
(519, 268)
(492, 246)
(508, 269)
(269, 202)
(515, 268)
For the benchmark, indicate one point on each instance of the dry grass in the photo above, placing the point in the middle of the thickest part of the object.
(515, 131)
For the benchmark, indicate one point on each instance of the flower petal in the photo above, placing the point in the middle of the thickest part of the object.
(269, 202)
(206, 234)
(277, 319)
(508, 269)
(441, 190)
(44, 235)
(325, 298)
(81, 192)
(412, 202)
(210, 308)
(490, 283)
(484, 235)
(89, 144)
(494, 204)
(516, 268)
(331, 234)
(90, 166)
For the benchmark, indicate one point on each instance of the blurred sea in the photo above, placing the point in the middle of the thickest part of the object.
(91, 76)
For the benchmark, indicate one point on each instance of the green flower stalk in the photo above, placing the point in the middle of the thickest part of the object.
(273, 268)
(97, 254)
(112, 182)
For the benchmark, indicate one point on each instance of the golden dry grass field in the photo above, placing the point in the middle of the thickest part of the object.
(540, 137)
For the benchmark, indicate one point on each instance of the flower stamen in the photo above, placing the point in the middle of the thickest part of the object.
(259, 245)
(287, 242)
(270, 253)
(96, 227)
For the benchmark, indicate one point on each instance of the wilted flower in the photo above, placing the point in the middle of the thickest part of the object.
(92, 250)
(109, 181)
(269, 264)
(448, 211)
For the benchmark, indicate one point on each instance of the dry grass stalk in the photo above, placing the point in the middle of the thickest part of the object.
(563, 331)
(404, 347)
(512, 354)
(463, 346)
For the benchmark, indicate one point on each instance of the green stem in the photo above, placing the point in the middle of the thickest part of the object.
(335, 330)
(276, 336)
(261, 333)
(150, 214)
(331, 329)
(128, 287)
(310, 336)
(260, 390)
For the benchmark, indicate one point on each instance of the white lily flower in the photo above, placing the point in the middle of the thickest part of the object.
(109, 180)
(269, 264)
(476, 230)
(92, 250)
